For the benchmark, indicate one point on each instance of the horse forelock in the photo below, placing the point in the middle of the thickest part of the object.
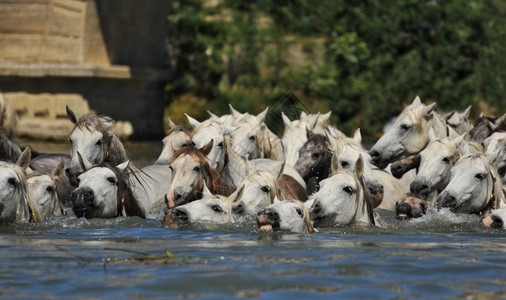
(204, 125)
(266, 178)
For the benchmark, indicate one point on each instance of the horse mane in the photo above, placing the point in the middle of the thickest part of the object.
(177, 128)
(9, 151)
(274, 191)
(115, 151)
(127, 202)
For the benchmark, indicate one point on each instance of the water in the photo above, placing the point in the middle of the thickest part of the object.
(441, 255)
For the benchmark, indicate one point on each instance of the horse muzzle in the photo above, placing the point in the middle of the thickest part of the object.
(268, 220)
(82, 201)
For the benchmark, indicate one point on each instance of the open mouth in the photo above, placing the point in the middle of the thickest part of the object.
(266, 224)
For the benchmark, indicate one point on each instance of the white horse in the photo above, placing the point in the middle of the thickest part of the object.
(176, 138)
(16, 205)
(92, 138)
(436, 161)
(472, 187)
(211, 130)
(260, 189)
(409, 134)
(459, 121)
(104, 192)
(341, 200)
(211, 209)
(286, 215)
(253, 139)
(384, 189)
(42, 188)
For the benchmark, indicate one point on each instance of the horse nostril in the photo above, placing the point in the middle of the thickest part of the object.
(273, 215)
(239, 209)
(374, 154)
(182, 215)
(88, 194)
(178, 196)
(67, 172)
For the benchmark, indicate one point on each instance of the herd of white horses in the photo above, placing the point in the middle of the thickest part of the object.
(234, 169)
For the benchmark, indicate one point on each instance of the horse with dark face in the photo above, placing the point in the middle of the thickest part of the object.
(190, 168)
(484, 126)
(287, 216)
(314, 158)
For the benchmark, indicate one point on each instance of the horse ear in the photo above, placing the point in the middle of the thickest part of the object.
(193, 123)
(427, 111)
(279, 169)
(431, 135)
(234, 112)
(334, 163)
(466, 113)
(106, 121)
(458, 140)
(465, 149)
(236, 195)
(276, 200)
(261, 116)
(24, 159)
(73, 117)
(123, 166)
(213, 116)
(417, 101)
(171, 124)
(325, 117)
(205, 189)
(286, 120)
(303, 115)
(313, 122)
(308, 133)
(59, 170)
(499, 121)
(85, 164)
(207, 148)
(447, 116)
(357, 136)
(359, 166)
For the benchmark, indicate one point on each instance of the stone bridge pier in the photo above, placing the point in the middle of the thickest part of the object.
(103, 56)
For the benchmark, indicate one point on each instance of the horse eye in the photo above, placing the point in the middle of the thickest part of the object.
(220, 145)
(344, 164)
(265, 189)
(111, 179)
(299, 212)
(50, 189)
(453, 125)
(12, 181)
(216, 208)
(196, 169)
(193, 144)
(479, 176)
(446, 160)
(99, 142)
(348, 190)
(70, 140)
(405, 127)
(171, 169)
(252, 138)
(315, 155)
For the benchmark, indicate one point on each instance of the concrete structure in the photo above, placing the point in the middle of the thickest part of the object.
(103, 55)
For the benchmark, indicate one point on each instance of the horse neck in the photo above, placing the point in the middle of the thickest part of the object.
(271, 146)
(216, 184)
(115, 154)
(127, 202)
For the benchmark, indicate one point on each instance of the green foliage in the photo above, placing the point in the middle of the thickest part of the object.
(364, 60)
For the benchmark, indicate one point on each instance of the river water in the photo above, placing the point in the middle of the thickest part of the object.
(441, 255)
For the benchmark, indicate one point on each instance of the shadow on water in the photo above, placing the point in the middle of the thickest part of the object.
(441, 255)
